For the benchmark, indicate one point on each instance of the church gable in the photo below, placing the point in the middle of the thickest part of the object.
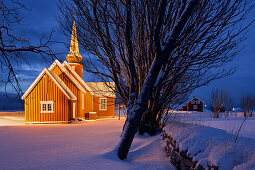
(55, 79)
(77, 77)
(66, 76)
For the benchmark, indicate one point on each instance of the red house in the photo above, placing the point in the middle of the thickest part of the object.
(194, 105)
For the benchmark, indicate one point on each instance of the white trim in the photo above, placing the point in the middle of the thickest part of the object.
(67, 73)
(73, 67)
(78, 77)
(195, 107)
(70, 96)
(74, 110)
(32, 85)
(63, 85)
(100, 103)
(47, 105)
(82, 101)
(52, 65)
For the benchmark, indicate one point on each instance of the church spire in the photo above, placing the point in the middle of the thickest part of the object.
(74, 54)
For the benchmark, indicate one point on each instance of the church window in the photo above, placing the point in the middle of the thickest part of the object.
(47, 106)
(102, 104)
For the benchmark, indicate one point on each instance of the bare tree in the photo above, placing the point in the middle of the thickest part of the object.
(247, 105)
(156, 52)
(228, 106)
(12, 47)
(219, 98)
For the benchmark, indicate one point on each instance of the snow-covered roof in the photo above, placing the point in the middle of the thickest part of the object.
(68, 74)
(77, 77)
(196, 99)
(58, 82)
(103, 88)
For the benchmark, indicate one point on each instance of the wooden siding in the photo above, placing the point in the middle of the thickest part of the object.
(87, 96)
(46, 90)
(74, 90)
(88, 103)
(199, 106)
(110, 107)
(78, 69)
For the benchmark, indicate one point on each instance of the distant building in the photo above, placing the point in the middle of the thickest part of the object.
(193, 105)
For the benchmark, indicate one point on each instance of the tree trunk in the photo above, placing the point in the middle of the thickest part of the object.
(127, 139)
(135, 114)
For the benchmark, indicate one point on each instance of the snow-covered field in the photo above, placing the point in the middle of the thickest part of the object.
(88, 145)
(12, 118)
(230, 124)
(212, 141)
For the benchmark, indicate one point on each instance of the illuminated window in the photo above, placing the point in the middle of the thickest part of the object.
(102, 104)
(47, 106)
(195, 107)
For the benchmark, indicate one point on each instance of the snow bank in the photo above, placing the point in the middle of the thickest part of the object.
(211, 146)
(230, 124)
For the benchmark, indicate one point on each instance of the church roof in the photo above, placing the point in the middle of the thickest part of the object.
(77, 77)
(105, 89)
(68, 74)
(58, 82)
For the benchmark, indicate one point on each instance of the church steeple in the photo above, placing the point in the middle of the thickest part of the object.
(74, 54)
(73, 57)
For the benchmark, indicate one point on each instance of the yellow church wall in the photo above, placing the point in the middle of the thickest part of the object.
(88, 102)
(73, 88)
(46, 90)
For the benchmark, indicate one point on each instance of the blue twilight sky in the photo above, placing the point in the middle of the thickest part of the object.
(41, 19)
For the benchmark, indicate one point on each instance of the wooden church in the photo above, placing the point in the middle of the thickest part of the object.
(59, 94)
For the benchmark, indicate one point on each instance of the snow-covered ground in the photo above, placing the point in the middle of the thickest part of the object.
(230, 124)
(12, 118)
(88, 145)
(212, 141)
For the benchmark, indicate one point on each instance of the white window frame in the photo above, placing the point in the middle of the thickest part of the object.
(197, 102)
(47, 105)
(195, 107)
(100, 104)
(192, 101)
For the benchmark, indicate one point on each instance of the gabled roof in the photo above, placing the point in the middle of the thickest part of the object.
(77, 77)
(193, 99)
(68, 74)
(58, 82)
(103, 88)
